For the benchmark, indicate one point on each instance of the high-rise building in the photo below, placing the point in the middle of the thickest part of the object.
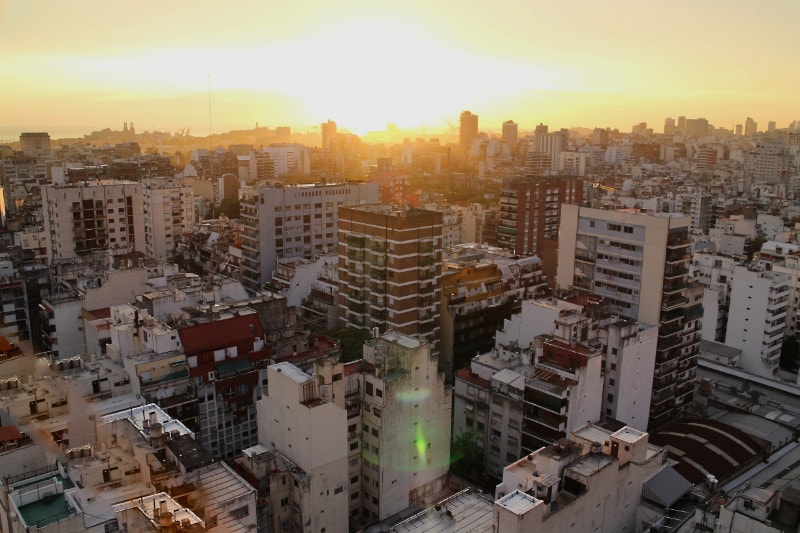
(328, 135)
(771, 126)
(168, 212)
(530, 208)
(405, 432)
(695, 127)
(93, 217)
(34, 143)
(750, 127)
(468, 130)
(389, 268)
(293, 221)
(392, 182)
(759, 299)
(766, 162)
(669, 126)
(302, 419)
(510, 132)
(640, 264)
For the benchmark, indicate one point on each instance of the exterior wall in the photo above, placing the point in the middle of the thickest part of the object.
(406, 433)
(757, 330)
(99, 216)
(313, 435)
(389, 267)
(629, 366)
(169, 212)
(293, 222)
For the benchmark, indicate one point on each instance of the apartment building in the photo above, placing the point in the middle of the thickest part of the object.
(760, 300)
(91, 217)
(530, 210)
(404, 426)
(304, 421)
(293, 221)
(594, 482)
(227, 362)
(168, 212)
(639, 263)
(389, 268)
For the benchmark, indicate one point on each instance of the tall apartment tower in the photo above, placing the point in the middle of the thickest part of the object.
(760, 301)
(301, 422)
(293, 221)
(405, 432)
(168, 213)
(468, 130)
(640, 264)
(389, 269)
(750, 127)
(550, 144)
(93, 217)
(530, 208)
(510, 132)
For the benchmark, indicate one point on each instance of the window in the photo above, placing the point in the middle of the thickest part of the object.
(369, 388)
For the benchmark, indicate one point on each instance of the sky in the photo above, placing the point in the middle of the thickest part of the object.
(72, 67)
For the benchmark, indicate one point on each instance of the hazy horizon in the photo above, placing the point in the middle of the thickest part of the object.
(71, 68)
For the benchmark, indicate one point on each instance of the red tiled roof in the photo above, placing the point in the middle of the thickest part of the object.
(221, 333)
(5, 345)
(104, 312)
(8, 433)
(467, 375)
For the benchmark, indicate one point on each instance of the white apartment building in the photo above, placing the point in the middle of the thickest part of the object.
(714, 272)
(760, 299)
(299, 420)
(293, 221)
(93, 217)
(791, 268)
(630, 359)
(288, 159)
(168, 212)
(593, 482)
(640, 263)
(405, 426)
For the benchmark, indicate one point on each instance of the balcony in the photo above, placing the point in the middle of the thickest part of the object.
(668, 304)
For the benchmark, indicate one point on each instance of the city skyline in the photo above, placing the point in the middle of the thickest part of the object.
(77, 67)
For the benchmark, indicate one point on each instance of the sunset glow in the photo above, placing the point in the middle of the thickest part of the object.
(72, 67)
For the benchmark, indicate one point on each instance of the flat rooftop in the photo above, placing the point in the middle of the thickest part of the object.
(518, 502)
(466, 511)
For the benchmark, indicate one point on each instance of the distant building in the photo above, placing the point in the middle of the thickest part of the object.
(168, 213)
(34, 143)
(510, 132)
(468, 130)
(759, 300)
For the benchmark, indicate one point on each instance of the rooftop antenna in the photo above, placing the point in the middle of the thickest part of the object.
(209, 115)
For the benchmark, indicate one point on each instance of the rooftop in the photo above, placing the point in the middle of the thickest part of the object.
(518, 502)
(292, 372)
(465, 511)
(189, 452)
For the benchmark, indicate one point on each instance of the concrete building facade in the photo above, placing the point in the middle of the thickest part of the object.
(389, 269)
(640, 264)
(293, 221)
